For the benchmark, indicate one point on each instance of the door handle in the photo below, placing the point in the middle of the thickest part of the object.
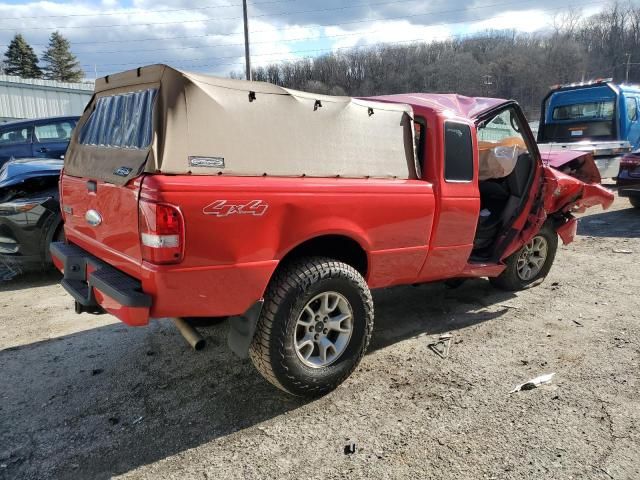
(43, 150)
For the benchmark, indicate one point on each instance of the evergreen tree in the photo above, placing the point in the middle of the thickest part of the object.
(60, 63)
(21, 60)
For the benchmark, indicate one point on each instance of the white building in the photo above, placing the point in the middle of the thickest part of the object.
(22, 98)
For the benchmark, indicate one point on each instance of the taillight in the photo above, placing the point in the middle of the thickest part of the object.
(630, 161)
(161, 233)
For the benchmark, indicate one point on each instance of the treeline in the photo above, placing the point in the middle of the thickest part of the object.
(58, 61)
(498, 64)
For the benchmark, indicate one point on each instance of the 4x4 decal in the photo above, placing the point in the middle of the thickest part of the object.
(224, 208)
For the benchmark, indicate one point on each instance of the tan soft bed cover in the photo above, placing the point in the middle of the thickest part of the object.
(253, 128)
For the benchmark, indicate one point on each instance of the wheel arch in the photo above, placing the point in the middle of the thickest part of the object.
(338, 246)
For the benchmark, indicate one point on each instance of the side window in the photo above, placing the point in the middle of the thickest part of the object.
(17, 135)
(500, 145)
(632, 109)
(54, 132)
(458, 152)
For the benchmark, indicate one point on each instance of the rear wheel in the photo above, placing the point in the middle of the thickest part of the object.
(531, 263)
(635, 201)
(314, 328)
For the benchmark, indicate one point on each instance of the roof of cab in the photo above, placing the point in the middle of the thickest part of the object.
(445, 103)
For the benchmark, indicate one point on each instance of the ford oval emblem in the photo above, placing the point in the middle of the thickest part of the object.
(93, 218)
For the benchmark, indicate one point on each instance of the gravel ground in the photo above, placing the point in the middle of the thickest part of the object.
(86, 397)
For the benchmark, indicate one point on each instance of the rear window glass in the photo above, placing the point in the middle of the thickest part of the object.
(121, 121)
(458, 153)
(585, 111)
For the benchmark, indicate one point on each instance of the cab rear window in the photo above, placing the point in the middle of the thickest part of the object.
(585, 111)
(121, 121)
(458, 152)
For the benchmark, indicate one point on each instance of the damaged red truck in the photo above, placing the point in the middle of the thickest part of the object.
(185, 195)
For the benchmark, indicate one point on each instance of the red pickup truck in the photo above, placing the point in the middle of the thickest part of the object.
(185, 195)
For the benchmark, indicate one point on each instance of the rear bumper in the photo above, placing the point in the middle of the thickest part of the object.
(608, 166)
(93, 283)
(629, 191)
(160, 291)
(628, 184)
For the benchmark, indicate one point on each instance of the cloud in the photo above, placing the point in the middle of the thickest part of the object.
(114, 35)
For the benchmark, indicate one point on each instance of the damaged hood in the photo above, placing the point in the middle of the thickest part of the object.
(15, 172)
(580, 165)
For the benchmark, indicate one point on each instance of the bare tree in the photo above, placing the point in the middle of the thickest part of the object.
(519, 66)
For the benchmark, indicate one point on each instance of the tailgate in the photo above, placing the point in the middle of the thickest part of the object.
(103, 219)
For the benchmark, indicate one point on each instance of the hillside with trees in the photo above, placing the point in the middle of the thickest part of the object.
(498, 64)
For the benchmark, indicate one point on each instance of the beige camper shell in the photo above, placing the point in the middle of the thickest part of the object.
(204, 125)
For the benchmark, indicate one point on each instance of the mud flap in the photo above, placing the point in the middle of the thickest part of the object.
(242, 328)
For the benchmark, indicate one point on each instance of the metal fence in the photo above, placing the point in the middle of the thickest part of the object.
(22, 98)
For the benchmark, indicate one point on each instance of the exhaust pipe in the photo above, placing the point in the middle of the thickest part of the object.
(190, 334)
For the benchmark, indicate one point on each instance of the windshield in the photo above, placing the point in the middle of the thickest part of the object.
(602, 110)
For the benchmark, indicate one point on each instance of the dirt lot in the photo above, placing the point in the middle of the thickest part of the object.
(86, 397)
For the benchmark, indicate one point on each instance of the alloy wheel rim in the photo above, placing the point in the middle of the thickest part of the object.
(323, 329)
(532, 258)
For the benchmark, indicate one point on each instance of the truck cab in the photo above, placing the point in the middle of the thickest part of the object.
(600, 117)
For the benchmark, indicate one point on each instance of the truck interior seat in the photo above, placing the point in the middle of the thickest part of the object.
(502, 198)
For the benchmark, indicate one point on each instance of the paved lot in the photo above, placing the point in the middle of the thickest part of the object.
(86, 397)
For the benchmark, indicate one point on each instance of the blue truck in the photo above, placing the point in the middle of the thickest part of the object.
(599, 117)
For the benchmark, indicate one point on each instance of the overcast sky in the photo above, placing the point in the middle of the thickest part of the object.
(114, 35)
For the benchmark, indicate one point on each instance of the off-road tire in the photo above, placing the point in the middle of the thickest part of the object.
(272, 350)
(509, 278)
(635, 202)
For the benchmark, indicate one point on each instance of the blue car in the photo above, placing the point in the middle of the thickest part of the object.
(39, 138)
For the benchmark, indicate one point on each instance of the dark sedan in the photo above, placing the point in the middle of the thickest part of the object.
(628, 180)
(29, 214)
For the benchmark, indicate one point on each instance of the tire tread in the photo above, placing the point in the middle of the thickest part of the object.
(296, 276)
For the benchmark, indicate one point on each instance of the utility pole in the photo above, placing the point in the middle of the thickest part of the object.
(628, 67)
(247, 55)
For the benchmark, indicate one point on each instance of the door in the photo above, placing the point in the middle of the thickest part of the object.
(15, 142)
(633, 132)
(51, 140)
(458, 202)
